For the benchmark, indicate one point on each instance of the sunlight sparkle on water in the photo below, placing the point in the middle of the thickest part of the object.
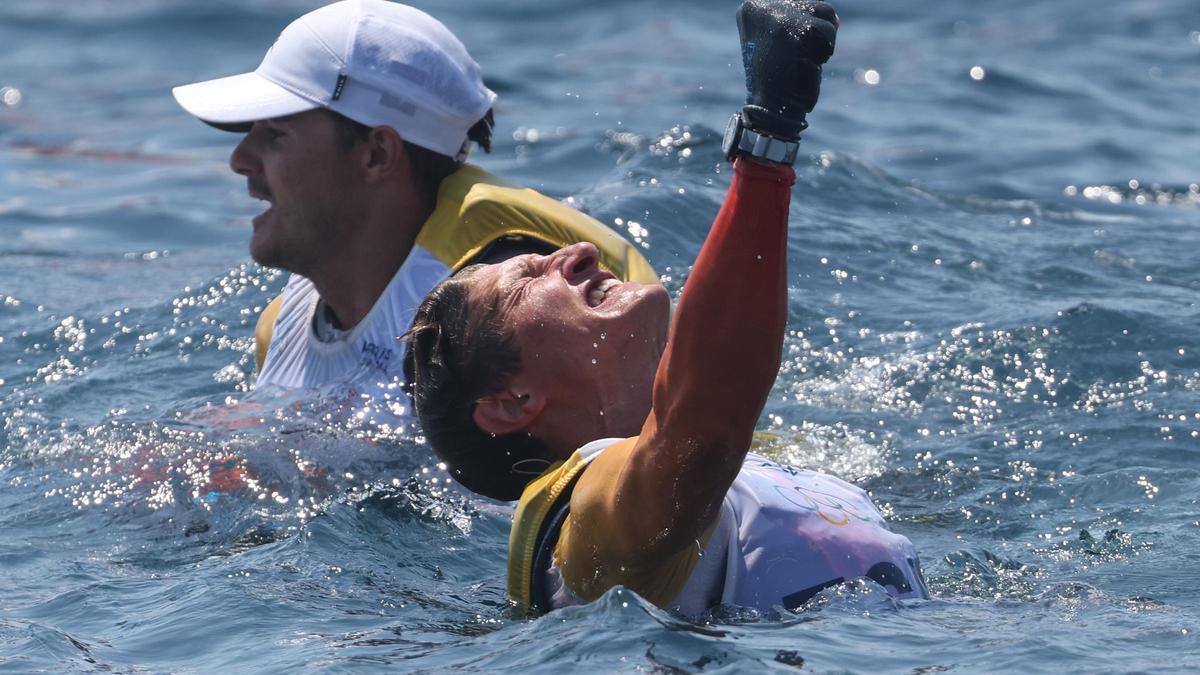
(869, 77)
(10, 96)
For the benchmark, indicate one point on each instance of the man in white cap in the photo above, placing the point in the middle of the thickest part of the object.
(357, 124)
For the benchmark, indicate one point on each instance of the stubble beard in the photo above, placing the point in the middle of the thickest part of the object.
(263, 253)
(298, 254)
(278, 254)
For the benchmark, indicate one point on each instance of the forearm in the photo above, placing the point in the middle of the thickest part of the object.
(663, 488)
(724, 348)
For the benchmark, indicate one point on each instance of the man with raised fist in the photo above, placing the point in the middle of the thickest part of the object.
(626, 437)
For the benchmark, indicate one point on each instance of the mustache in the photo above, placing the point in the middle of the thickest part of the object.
(258, 188)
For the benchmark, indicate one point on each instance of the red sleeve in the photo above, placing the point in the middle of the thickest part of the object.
(722, 356)
(644, 503)
(724, 348)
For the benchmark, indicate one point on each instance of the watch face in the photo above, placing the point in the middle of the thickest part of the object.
(732, 131)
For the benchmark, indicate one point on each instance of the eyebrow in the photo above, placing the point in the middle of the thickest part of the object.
(507, 282)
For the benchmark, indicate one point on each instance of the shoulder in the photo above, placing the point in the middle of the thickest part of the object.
(597, 505)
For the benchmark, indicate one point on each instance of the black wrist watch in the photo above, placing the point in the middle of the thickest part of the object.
(740, 139)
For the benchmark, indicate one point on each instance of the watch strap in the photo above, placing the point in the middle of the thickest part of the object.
(758, 144)
(774, 149)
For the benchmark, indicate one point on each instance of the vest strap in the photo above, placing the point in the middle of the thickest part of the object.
(263, 331)
(541, 512)
(547, 539)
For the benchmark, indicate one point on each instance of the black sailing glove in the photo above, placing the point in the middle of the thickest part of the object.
(784, 43)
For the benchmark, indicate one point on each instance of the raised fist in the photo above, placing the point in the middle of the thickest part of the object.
(784, 43)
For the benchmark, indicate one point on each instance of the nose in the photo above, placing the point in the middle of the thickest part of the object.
(579, 262)
(243, 160)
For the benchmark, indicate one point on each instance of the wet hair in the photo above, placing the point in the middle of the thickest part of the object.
(458, 351)
(430, 168)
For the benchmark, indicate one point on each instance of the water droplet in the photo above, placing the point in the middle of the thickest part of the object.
(869, 77)
(10, 96)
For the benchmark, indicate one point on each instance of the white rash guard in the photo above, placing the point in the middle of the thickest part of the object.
(784, 534)
(369, 357)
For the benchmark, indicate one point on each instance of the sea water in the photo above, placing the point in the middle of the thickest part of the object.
(993, 328)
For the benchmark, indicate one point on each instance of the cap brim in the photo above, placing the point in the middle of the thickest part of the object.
(234, 103)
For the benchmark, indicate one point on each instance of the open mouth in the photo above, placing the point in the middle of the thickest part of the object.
(262, 196)
(261, 217)
(598, 292)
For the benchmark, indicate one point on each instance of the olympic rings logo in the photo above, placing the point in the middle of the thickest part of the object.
(828, 507)
(831, 508)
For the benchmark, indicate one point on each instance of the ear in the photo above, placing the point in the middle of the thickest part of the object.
(509, 410)
(384, 153)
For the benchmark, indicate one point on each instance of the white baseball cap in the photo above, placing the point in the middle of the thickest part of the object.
(376, 62)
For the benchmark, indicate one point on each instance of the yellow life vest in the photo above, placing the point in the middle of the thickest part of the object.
(475, 209)
(535, 528)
